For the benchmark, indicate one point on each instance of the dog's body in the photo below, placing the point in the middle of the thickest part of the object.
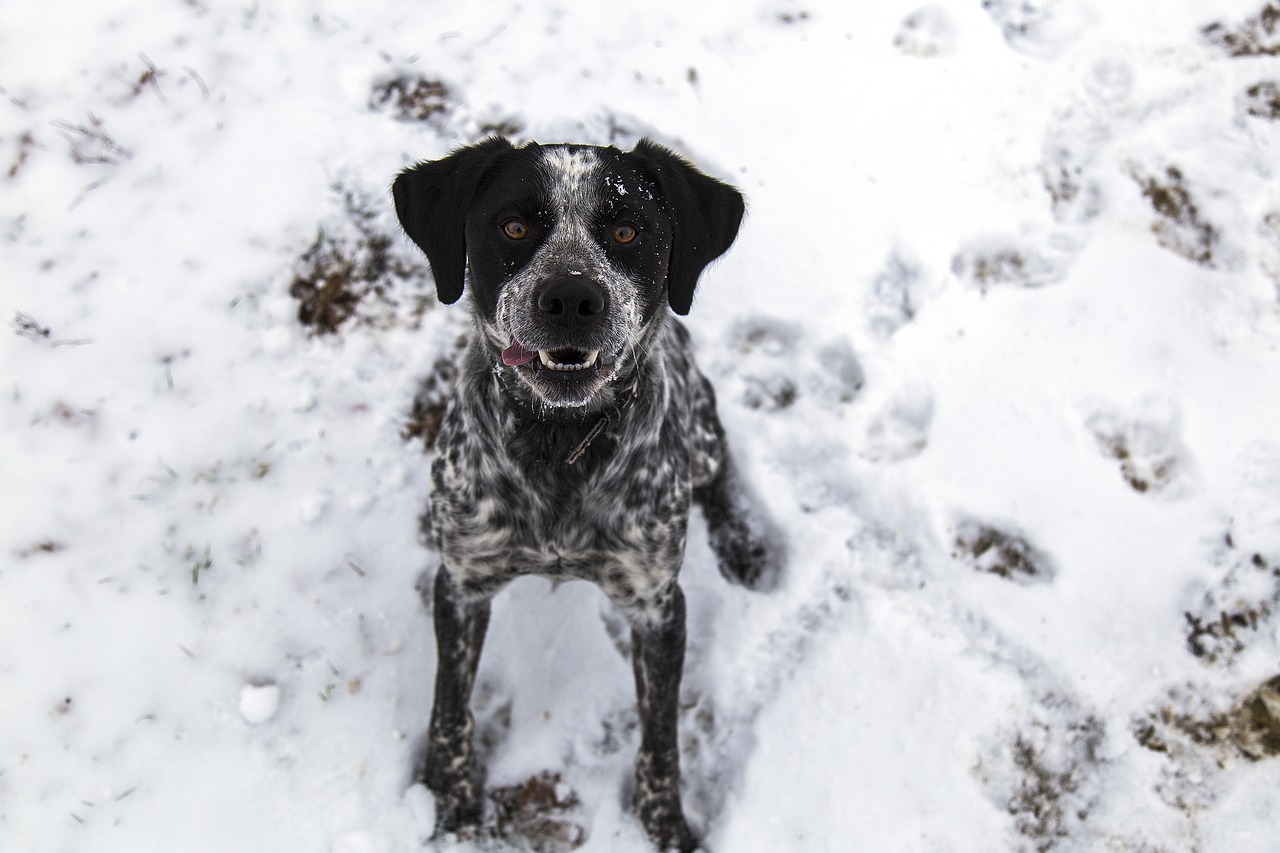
(580, 430)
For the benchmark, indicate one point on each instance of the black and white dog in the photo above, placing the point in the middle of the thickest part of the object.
(580, 431)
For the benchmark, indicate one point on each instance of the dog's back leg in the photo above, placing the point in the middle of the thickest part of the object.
(448, 766)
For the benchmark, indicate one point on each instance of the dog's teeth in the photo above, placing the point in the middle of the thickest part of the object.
(551, 364)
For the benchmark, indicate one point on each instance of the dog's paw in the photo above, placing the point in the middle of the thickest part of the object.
(456, 816)
(745, 557)
(457, 786)
(669, 832)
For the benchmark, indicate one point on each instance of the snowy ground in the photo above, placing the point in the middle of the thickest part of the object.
(998, 342)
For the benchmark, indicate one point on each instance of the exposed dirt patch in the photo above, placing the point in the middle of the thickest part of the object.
(1180, 226)
(409, 98)
(45, 546)
(1001, 266)
(26, 144)
(1042, 803)
(1231, 614)
(148, 79)
(356, 267)
(1002, 553)
(1045, 775)
(1262, 100)
(1200, 740)
(1256, 36)
(432, 399)
(798, 17)
(535, 814)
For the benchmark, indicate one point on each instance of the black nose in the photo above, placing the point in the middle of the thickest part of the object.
(572, 301)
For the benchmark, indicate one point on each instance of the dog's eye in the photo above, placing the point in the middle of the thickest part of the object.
(625, 233)
(515, 229)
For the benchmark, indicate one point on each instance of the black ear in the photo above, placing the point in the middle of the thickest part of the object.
(432, 200)
(705, 215)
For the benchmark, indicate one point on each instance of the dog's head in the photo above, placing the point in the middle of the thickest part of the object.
(569, 251)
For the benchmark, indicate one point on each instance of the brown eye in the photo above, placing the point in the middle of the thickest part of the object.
(515, 229)
(625, 233)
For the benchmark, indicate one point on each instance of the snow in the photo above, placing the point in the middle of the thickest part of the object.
(259, 702)
(1010, 275)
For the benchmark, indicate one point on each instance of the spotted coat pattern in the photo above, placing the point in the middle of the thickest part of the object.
(588, 474)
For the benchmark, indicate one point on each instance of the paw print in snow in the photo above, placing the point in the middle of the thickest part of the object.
(1145, 442)
(1041, 28)
(1001, 552)
(1074, 167)
(895, 295)
(900, 430)
(1180, 225)
(1200, 740)
(1029, 260)
(1045, 770)
(774, 375)
(927, 32)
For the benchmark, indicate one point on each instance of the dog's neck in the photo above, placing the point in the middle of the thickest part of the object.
(563, 436)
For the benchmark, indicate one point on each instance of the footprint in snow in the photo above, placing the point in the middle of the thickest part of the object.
(1236, 611)
(927, 32)
(1237, 614)
(1145, 441)
(773, 367)
(900, 429)
(1040, 28)
(1001, 551)
(1035, 258)
(896, 295)
(1074, 168)
(1202, 734)
(1045, 769)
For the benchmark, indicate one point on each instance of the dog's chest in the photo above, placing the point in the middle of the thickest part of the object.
(617, 518)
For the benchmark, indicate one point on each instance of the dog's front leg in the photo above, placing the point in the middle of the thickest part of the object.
(449, 767)
(657, 656)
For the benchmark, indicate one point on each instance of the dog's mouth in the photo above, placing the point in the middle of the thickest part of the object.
(560, 377)
(566, 360)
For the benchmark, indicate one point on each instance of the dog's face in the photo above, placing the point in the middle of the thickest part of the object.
(569, 251)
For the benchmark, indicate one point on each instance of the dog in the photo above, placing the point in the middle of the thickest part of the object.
(580, 431)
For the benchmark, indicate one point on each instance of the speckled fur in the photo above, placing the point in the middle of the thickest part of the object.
(505, 499)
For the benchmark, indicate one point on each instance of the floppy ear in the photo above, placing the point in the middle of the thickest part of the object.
(705, 215)
(432, 200)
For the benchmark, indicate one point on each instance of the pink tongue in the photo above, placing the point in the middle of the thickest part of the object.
(516, 355)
